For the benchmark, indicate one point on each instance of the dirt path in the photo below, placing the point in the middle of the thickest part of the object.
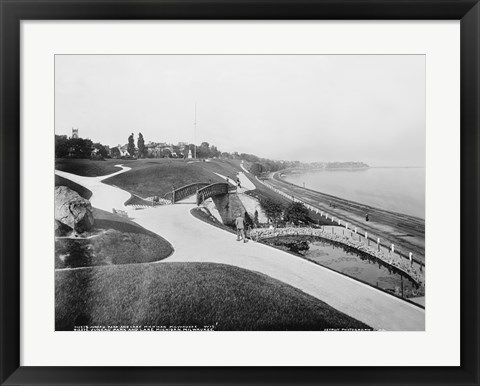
(407, 233)
(194, 240)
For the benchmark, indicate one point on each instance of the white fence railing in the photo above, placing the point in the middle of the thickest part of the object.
(338, 221)
(350, 239)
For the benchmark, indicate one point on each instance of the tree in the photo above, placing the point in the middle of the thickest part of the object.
(131, 145)
(203, 151)
(296, 212)
(256, 169)
(140, 145)
(62, 146)
(176, 150)
(115, 152)
(273, 210)
(166, 153)
(214, 151)
(80, 148)
(102, 150)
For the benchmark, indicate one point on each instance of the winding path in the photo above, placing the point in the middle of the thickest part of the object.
(196, 241)
(104, 196)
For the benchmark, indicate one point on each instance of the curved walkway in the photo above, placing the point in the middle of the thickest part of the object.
(197, 241)
(104, 196)
(245, 182)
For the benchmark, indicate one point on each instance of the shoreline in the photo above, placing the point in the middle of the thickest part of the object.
(278, 176)
(406, 232)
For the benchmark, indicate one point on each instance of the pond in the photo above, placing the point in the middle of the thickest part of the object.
(350, 262)
(361, 266)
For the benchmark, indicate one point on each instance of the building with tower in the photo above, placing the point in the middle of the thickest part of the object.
(74, 133)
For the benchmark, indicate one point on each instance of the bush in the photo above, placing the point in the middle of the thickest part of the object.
(273, 209)
(297, 213)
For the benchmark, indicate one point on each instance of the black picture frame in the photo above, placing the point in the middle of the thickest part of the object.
(13, 11)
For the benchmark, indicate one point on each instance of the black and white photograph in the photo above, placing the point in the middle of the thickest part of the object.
(240, 193)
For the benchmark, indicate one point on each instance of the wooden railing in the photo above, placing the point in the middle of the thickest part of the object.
(211, 190)
(186, 191)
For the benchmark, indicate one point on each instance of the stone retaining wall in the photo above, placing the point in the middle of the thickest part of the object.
(392, 259)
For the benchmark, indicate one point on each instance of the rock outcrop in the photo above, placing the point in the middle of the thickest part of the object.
(72, 210)
(62, 229)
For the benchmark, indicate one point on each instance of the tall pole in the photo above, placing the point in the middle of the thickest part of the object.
(195, 132)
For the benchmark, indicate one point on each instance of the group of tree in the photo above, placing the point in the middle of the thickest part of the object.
(140, 151)
(263, 166)
(85, 148)
(203, 151)
(207, 151)
(297, 213)
(277, 213)
(79, 148)
(72, 147)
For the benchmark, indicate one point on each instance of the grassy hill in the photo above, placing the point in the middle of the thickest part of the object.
(158, 176)
(91, 168)
(114, 240)
(187, 294)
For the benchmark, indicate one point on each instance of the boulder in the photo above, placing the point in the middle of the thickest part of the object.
(73, 210)
(61, 229)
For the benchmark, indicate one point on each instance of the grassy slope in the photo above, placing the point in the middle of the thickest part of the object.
(90, 168)
(261, 192)
(118, 241)
(219, 166)
(150, 177)
(187, 294)
(209, 219)
(158, 176)
(176, 293)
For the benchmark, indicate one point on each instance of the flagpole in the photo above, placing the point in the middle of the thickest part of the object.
(195, 132)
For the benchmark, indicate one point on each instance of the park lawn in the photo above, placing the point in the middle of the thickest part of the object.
(91, 168)
(114, 240)
(222, 167)
(157, 177)
(188, 294)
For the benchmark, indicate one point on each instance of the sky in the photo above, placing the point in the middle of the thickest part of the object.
(310, 108)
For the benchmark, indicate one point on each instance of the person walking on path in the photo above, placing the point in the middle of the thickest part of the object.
(240, 225)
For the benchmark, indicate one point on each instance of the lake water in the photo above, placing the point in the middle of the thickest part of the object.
(396, 189)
